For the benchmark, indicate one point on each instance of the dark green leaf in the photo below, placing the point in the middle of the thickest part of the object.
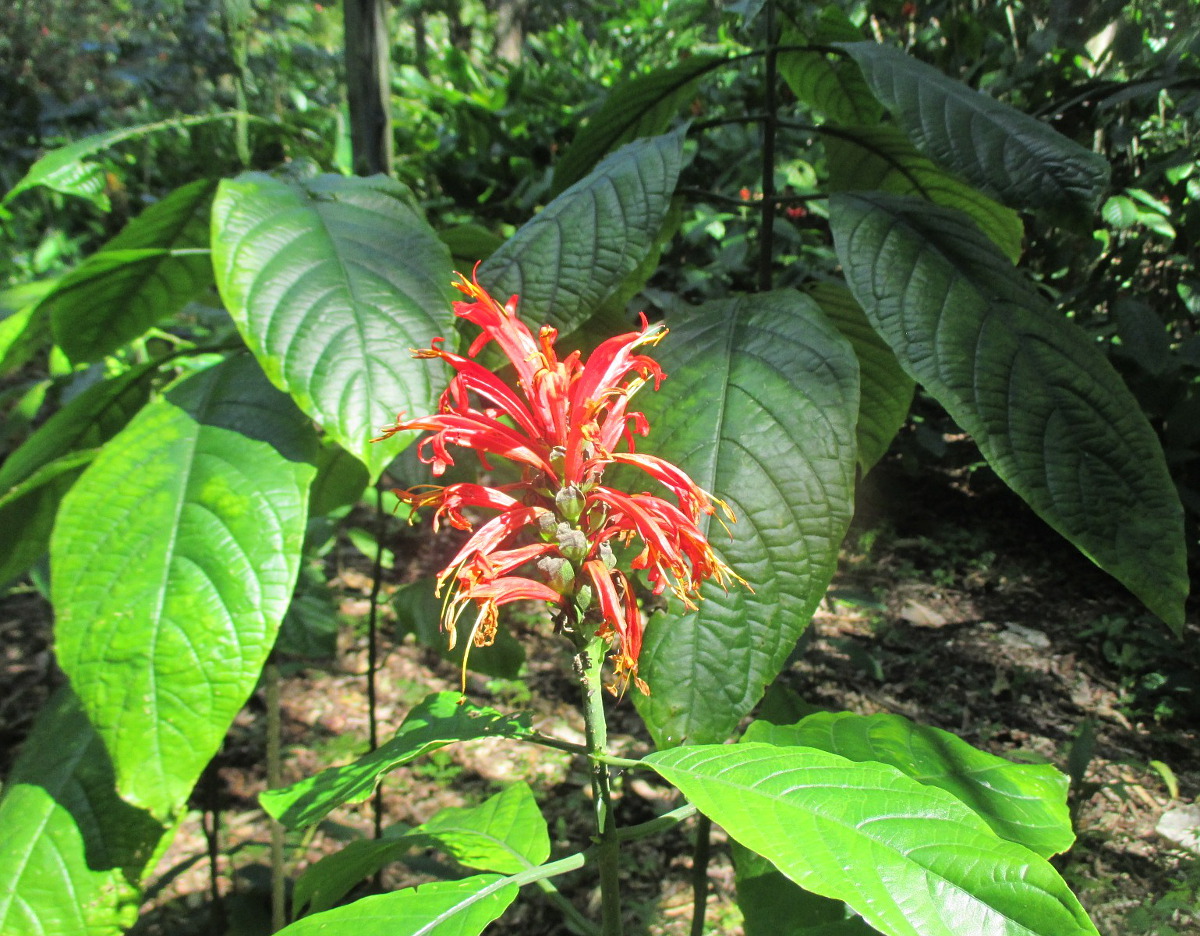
(641, 106)
(998, 149)
(331, 282)
(28, 509)
(582, 247)
(24, 324)
(881, 158)
(1024, 803)
(759, 407)
(310, 626)
(1144, 338)
(910, 859)
(340, 482)
(440, 719)
(1048, 412)
(173, 561)
(441, 908)
(824, 82)
(886, 392)
(71, 850)
(66, 170)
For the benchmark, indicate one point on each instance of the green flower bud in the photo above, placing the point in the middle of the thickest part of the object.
(559, 573)
(547, 526)
(572, 543)
(570, 503)
(606, 556)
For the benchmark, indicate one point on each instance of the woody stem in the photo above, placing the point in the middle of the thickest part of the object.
(588, 663)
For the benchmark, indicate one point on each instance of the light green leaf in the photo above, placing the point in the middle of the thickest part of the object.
(441, 719)
(910, 859)
(506, 834)
(69, 848)
(173, 561)
(66, 169)
(1024, 803)
(641, 106)
(441, 908)
(24, 325)
(886, 392)
(28, 509)
(862, 158)
(1001, 151)
(145, 274)
(1048, 412)
(759, 406)
(581, 248)
(331, 282)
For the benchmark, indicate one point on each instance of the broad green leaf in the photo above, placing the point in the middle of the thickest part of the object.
(441, 908)
(1144, 337)
(1001, 151)
(910, 859)
(772, 905)
(862, 158)
(70, 848)
(147, 273)
(28, 509)
(34, 478)
(440, 719)
(505, 834)
(67, 170)
(566, 261)
(340, 483)
(331, 282)
(24, 325)
(1024, 803)
(886, 391)
(1046, 409)
(309, 629)
(419, 612)
(642, 106)
(759, 406)
(173, 561)
(823, 82)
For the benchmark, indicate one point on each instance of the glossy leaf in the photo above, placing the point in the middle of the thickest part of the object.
(566, 261)
(24, 324)
(67, 170)
(331, 281)
(440, 719)
(70, 846)
(1048, 412)
(441, 908)
(505, 834)
(886, 391)
(881, 158)
(641, 106)
(759, 406)
(772, 905)
(1024, 803)
(147, 273)
(34, 478)
(998, 149)
(173, 561)
(912, 860)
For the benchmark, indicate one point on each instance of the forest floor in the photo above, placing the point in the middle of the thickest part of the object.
(953, 606)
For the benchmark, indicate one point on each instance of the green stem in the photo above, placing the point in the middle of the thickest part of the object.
(700, 875)
(588, 664)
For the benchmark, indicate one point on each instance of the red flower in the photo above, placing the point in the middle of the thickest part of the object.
(563, 425)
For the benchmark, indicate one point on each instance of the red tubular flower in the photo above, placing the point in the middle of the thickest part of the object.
(562, 424)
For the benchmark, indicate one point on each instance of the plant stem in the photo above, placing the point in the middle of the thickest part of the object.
(700, 875)
(275, 780)
(767, 235)
(588, 664)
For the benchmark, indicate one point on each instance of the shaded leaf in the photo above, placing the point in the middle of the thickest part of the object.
(862, 158)
(24, 324)
(331, 281)
(441, 719)
(886, 391)
(566, 261)
(910, 859)
(759, 407)
(71, 851)
(1048, 412)
(173, 561)
(1024, 803)
(824, 82)
(641, 106)
(998, 149)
